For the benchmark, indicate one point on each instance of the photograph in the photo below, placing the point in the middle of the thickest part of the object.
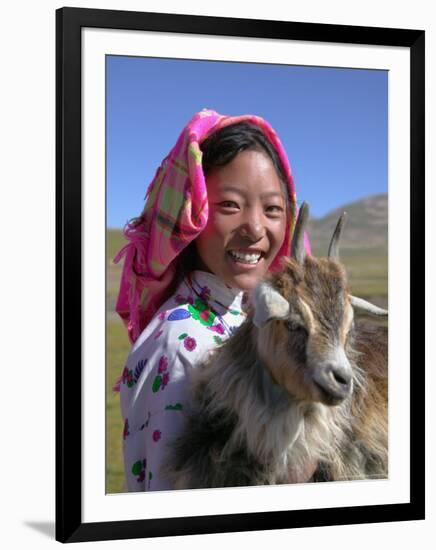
(208, 166)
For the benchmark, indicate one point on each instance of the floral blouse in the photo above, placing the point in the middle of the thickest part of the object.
(201, 314)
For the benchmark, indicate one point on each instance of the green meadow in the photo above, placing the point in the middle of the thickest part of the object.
(368, 276)
(118, 346)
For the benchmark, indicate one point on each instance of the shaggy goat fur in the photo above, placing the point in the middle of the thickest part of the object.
(257, 417)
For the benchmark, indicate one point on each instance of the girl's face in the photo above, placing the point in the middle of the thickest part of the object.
(247, 220)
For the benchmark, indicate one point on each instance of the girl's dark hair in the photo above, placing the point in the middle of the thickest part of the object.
(219, 149)
(222, 146)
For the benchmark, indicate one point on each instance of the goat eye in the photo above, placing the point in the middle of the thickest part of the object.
(296, 328)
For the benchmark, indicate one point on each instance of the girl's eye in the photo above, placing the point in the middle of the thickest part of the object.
(275, 209)
(228, 204)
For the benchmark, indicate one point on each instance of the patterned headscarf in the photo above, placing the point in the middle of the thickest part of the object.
(175, 213)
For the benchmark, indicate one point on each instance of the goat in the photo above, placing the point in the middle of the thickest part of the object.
(298, 393)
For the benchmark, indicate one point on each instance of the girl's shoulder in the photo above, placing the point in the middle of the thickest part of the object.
(177, 325)
(187, 325)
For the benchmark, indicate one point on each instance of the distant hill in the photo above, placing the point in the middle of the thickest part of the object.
(366, 229)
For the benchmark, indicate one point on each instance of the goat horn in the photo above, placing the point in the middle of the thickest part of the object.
(298, 251)
(367, 307)
(333, 252)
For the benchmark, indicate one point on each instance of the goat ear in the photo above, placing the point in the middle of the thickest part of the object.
(268, 304)
(366, 307)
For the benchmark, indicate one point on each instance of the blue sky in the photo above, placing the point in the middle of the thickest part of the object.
(332, 122)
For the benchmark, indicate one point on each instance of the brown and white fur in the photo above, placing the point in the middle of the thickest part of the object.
(298, 393)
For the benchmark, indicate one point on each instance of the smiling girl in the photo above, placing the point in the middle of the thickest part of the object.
(218, 216)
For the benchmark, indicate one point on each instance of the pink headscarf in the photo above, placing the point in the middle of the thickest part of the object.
(175, 213)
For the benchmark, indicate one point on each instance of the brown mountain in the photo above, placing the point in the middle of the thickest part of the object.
(366, 229)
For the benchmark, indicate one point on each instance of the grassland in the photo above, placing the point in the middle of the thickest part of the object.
(116, 353)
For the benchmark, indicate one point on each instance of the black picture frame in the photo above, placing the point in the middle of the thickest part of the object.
(69, 524)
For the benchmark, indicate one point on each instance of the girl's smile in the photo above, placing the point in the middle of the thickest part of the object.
(247, 220)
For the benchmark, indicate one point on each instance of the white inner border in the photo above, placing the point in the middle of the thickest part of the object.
(99, 507)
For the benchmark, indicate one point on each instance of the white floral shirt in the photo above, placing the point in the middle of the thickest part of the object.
(201, 314)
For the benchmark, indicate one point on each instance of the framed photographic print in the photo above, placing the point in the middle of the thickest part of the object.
(348, 105)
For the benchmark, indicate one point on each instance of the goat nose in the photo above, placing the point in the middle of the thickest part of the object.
(341, 375)
(334, 379)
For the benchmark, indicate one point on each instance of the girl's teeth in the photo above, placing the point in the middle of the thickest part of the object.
(246, 258)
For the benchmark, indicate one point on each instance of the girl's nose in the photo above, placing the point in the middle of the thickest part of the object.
(252, 230)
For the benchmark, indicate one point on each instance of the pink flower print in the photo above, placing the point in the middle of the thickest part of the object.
(162, 316)
(190, 343)
(200, 312)
(162, 378)
(163, 364)
(219, 328)
(165, 379)
(158, 333)
(204, 315)
(157, 434)
(126, 429)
